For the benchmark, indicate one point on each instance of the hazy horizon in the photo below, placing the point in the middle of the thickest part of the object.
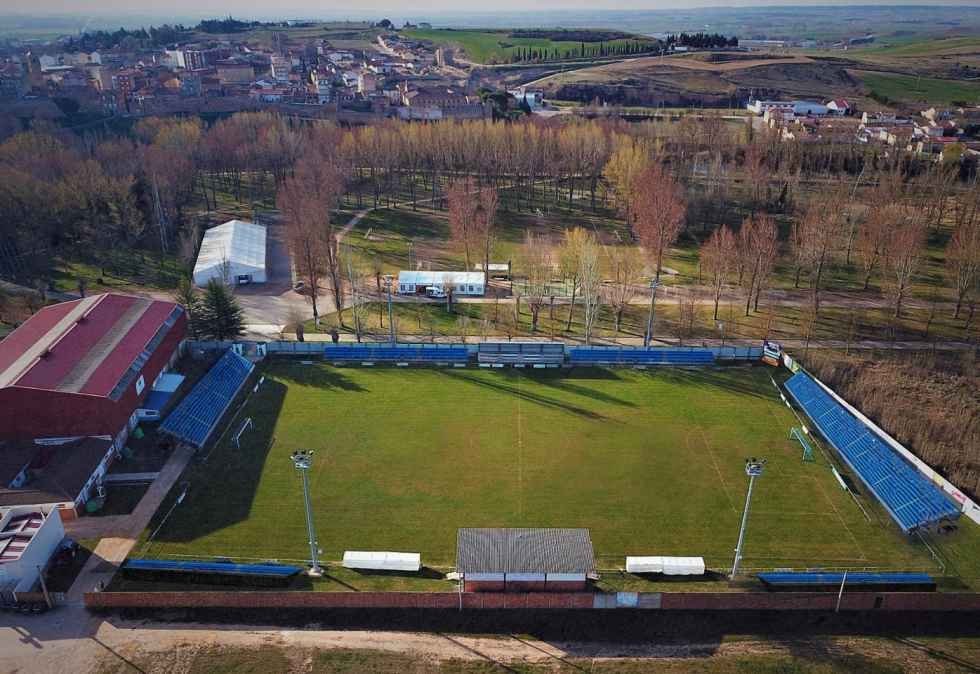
(183, 10)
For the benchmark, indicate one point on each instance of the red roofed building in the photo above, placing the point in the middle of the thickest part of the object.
(83, 368)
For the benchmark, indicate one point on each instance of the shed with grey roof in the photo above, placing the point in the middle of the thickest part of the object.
(490, 559)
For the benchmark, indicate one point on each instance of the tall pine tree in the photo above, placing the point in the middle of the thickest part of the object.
(219, 315)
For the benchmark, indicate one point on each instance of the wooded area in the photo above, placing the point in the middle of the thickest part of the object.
(753, 204)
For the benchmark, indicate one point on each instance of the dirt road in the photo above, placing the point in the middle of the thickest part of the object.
(71, 640)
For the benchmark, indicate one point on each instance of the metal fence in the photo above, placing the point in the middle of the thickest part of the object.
(722, 353)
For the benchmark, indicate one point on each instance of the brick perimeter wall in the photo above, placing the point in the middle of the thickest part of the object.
(685, 601)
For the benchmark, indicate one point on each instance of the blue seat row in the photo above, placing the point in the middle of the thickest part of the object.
(909, 496)
(198, 413)
(400, 354)
(854, 578)
(633, 356)
(228, 568)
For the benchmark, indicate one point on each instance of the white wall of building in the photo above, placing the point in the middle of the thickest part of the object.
(45, 541)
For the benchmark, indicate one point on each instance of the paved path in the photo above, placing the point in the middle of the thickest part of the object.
(118, 533)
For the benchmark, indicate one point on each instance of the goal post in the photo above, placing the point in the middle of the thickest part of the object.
(246, 425)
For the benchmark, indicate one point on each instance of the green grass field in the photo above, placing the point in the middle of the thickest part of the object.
(912, 89)
(498, 46)
(651, 462)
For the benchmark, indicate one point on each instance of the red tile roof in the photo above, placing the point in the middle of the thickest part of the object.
(83, 346)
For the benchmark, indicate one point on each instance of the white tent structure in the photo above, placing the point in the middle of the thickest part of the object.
(233, 253)
(382, 561)
(669, 566)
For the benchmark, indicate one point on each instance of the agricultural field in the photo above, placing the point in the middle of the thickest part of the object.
(710, 79)
(651, 462)
(489, 47)
(908, 89)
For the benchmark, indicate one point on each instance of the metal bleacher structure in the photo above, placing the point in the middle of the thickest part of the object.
(198, 413)
(267, 574)
(910, 497)
(851, 580)
(614, 355)
(399, 353)
(542, 354)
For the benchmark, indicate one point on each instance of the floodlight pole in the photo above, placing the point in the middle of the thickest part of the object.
(389, 280)
(648, 337)
(303, 460)
(753, 468)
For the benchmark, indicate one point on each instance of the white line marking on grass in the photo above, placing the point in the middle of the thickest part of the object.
(839, 516)
(520, 454)
(714, 462)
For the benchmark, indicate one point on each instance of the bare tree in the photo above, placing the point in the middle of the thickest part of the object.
(718, 259)
(817, 233)
(963, 251)
(884, 209)
(462, 215)
(756, 245)
(626, 270)
(590, 283)
(485, 225)
(306, 200)
(355, 283)
(630, 158)
(903, 254)
(808, 322)
(570, 263)
(687, 308)
(660, 211)
(537, 265)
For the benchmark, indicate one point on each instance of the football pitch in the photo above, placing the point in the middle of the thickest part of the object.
(652, 462)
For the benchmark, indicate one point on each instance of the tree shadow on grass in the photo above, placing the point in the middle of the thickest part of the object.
(739, 380)
(562, 381)
(317, 375)
(222, 489)
(524, 394)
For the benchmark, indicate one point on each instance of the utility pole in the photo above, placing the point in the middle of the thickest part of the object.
(654, 284)
(840, 595)
(303, 460)
(753, 468)
(389, 281)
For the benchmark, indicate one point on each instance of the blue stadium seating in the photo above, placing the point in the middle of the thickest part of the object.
(854, 580)
(395, 354)
(632, 356)
(198, 413)
(223, 568)
(909, 496)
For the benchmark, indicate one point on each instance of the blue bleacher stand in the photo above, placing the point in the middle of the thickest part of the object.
(910, 497)
(633, 356)
(385, 353)
(198, 413)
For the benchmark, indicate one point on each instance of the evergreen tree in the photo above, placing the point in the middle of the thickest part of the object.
(186, 296)
(220, 316)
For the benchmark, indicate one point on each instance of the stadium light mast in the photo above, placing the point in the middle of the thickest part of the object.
(648, 337)
(753, 468)
(389, 281)
(303, 460)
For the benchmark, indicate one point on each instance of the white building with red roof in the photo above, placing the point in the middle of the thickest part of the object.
(839, 106)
